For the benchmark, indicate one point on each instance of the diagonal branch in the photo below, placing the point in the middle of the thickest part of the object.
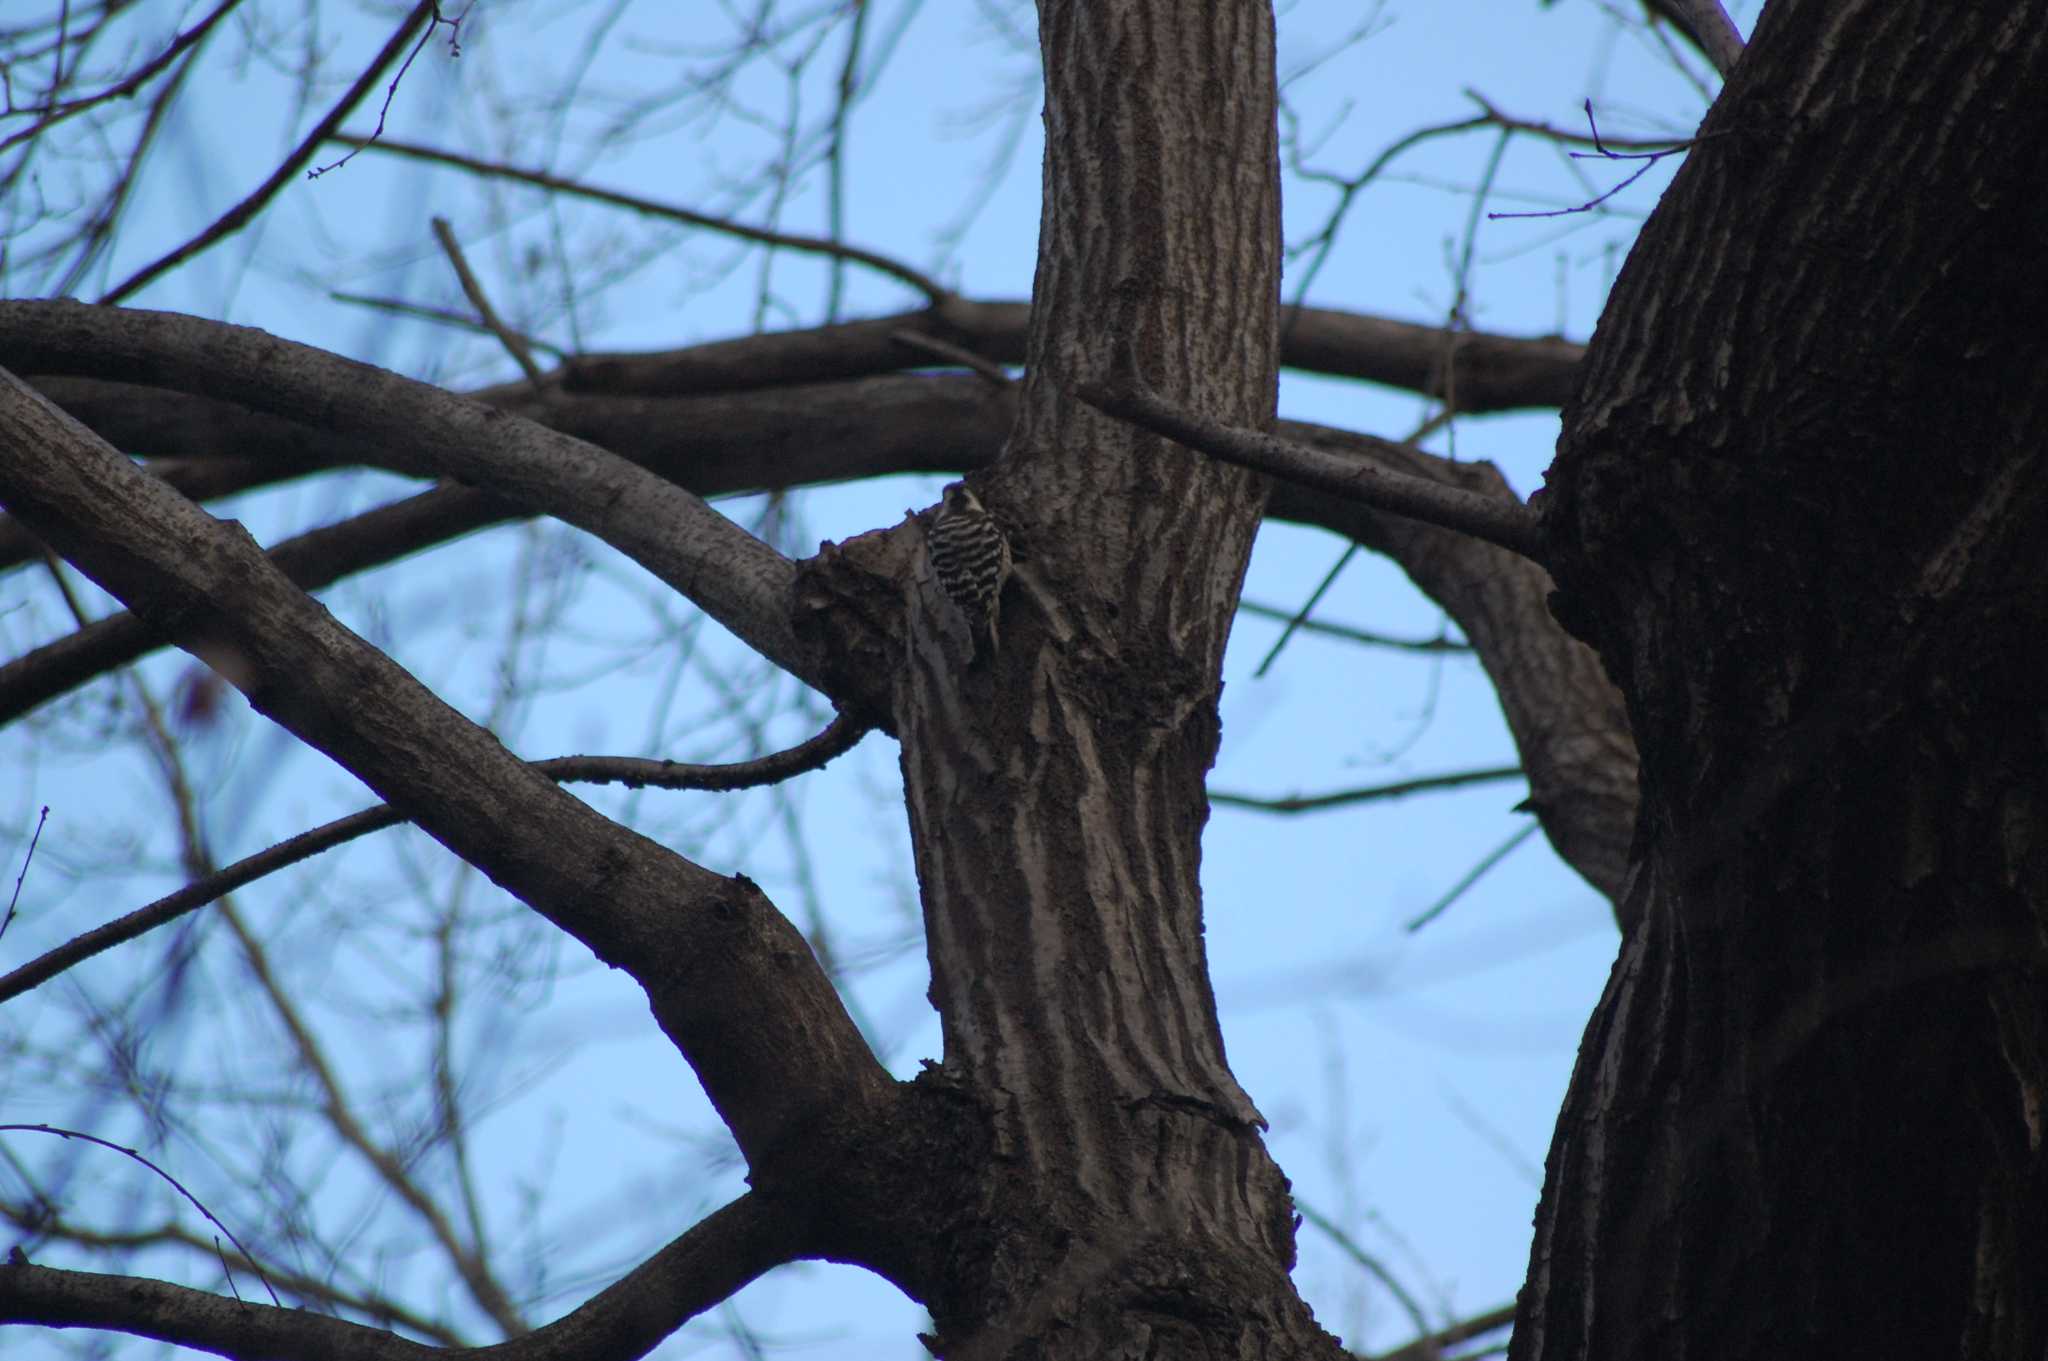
(1708, 25)
(703, 1267)
(243, 213)
(738, 580)
(838, 737)
(317, 558)
(730, 980)
(1498, 520)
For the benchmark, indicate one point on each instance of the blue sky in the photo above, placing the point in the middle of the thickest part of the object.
(1411, 1079)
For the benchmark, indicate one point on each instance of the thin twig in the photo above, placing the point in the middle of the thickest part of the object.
(391, 90)
(514, 343)
(175, 1184)
(1602, 151)
(245, 212)
(1355, 635)
(1343, 798)
(541, 179)
(1372, 1264)
(1431, 1346)
(1473, 876)
(838, 737)
(15, 898)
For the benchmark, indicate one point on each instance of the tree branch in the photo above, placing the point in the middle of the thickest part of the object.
(838, 738)
(730, 980)
(1569, 724)
(312, 560)
(1710, 28)
(1485, 372)
(541, 179)
(1497, 520)
(243, 213)
(1316, 803)
(734, 577)
(703, 1267)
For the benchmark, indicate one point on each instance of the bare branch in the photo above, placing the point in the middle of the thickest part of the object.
(174, 1183)
(730, 979)
(27, 858)
(541, 179)
(838, 737)
(1708, 25)
(1569, 724)
(312, 560)
(1349, 634)
(243, 213)
(514, 343)
(194, 895)
(1488, 372)
(1343, 798)
(1376, 1268)
(738, 580)
(49, 1227)
(1430, 1346)
(1500, 521)
(953, 354)
(703, 1267)
(1472, 876)
(128, 84)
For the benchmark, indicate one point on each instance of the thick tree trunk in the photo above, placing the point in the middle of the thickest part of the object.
(1127, 1205)
(1801, 506)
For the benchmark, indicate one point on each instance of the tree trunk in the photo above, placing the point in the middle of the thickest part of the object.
(1801, 507)
(1126, 1204)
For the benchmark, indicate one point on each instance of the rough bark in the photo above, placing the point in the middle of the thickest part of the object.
(1801, 507)
(1056, 797)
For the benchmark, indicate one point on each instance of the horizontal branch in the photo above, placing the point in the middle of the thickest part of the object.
(700, 1269)
(1482, 371)
(1343, 798)
(1363, 637)
(1498, 520)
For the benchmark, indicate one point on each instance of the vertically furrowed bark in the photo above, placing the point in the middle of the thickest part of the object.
(1057, 797)
(1801, 506)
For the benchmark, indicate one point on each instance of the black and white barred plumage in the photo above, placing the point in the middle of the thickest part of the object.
(971, 559)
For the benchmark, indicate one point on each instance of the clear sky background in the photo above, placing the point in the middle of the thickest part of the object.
(1411, 1079)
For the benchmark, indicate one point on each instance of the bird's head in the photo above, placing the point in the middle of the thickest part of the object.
(958, 498)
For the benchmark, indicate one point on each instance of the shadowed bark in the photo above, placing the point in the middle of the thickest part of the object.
(1801, 506)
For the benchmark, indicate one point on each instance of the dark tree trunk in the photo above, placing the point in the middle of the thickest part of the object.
(1801, 507)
